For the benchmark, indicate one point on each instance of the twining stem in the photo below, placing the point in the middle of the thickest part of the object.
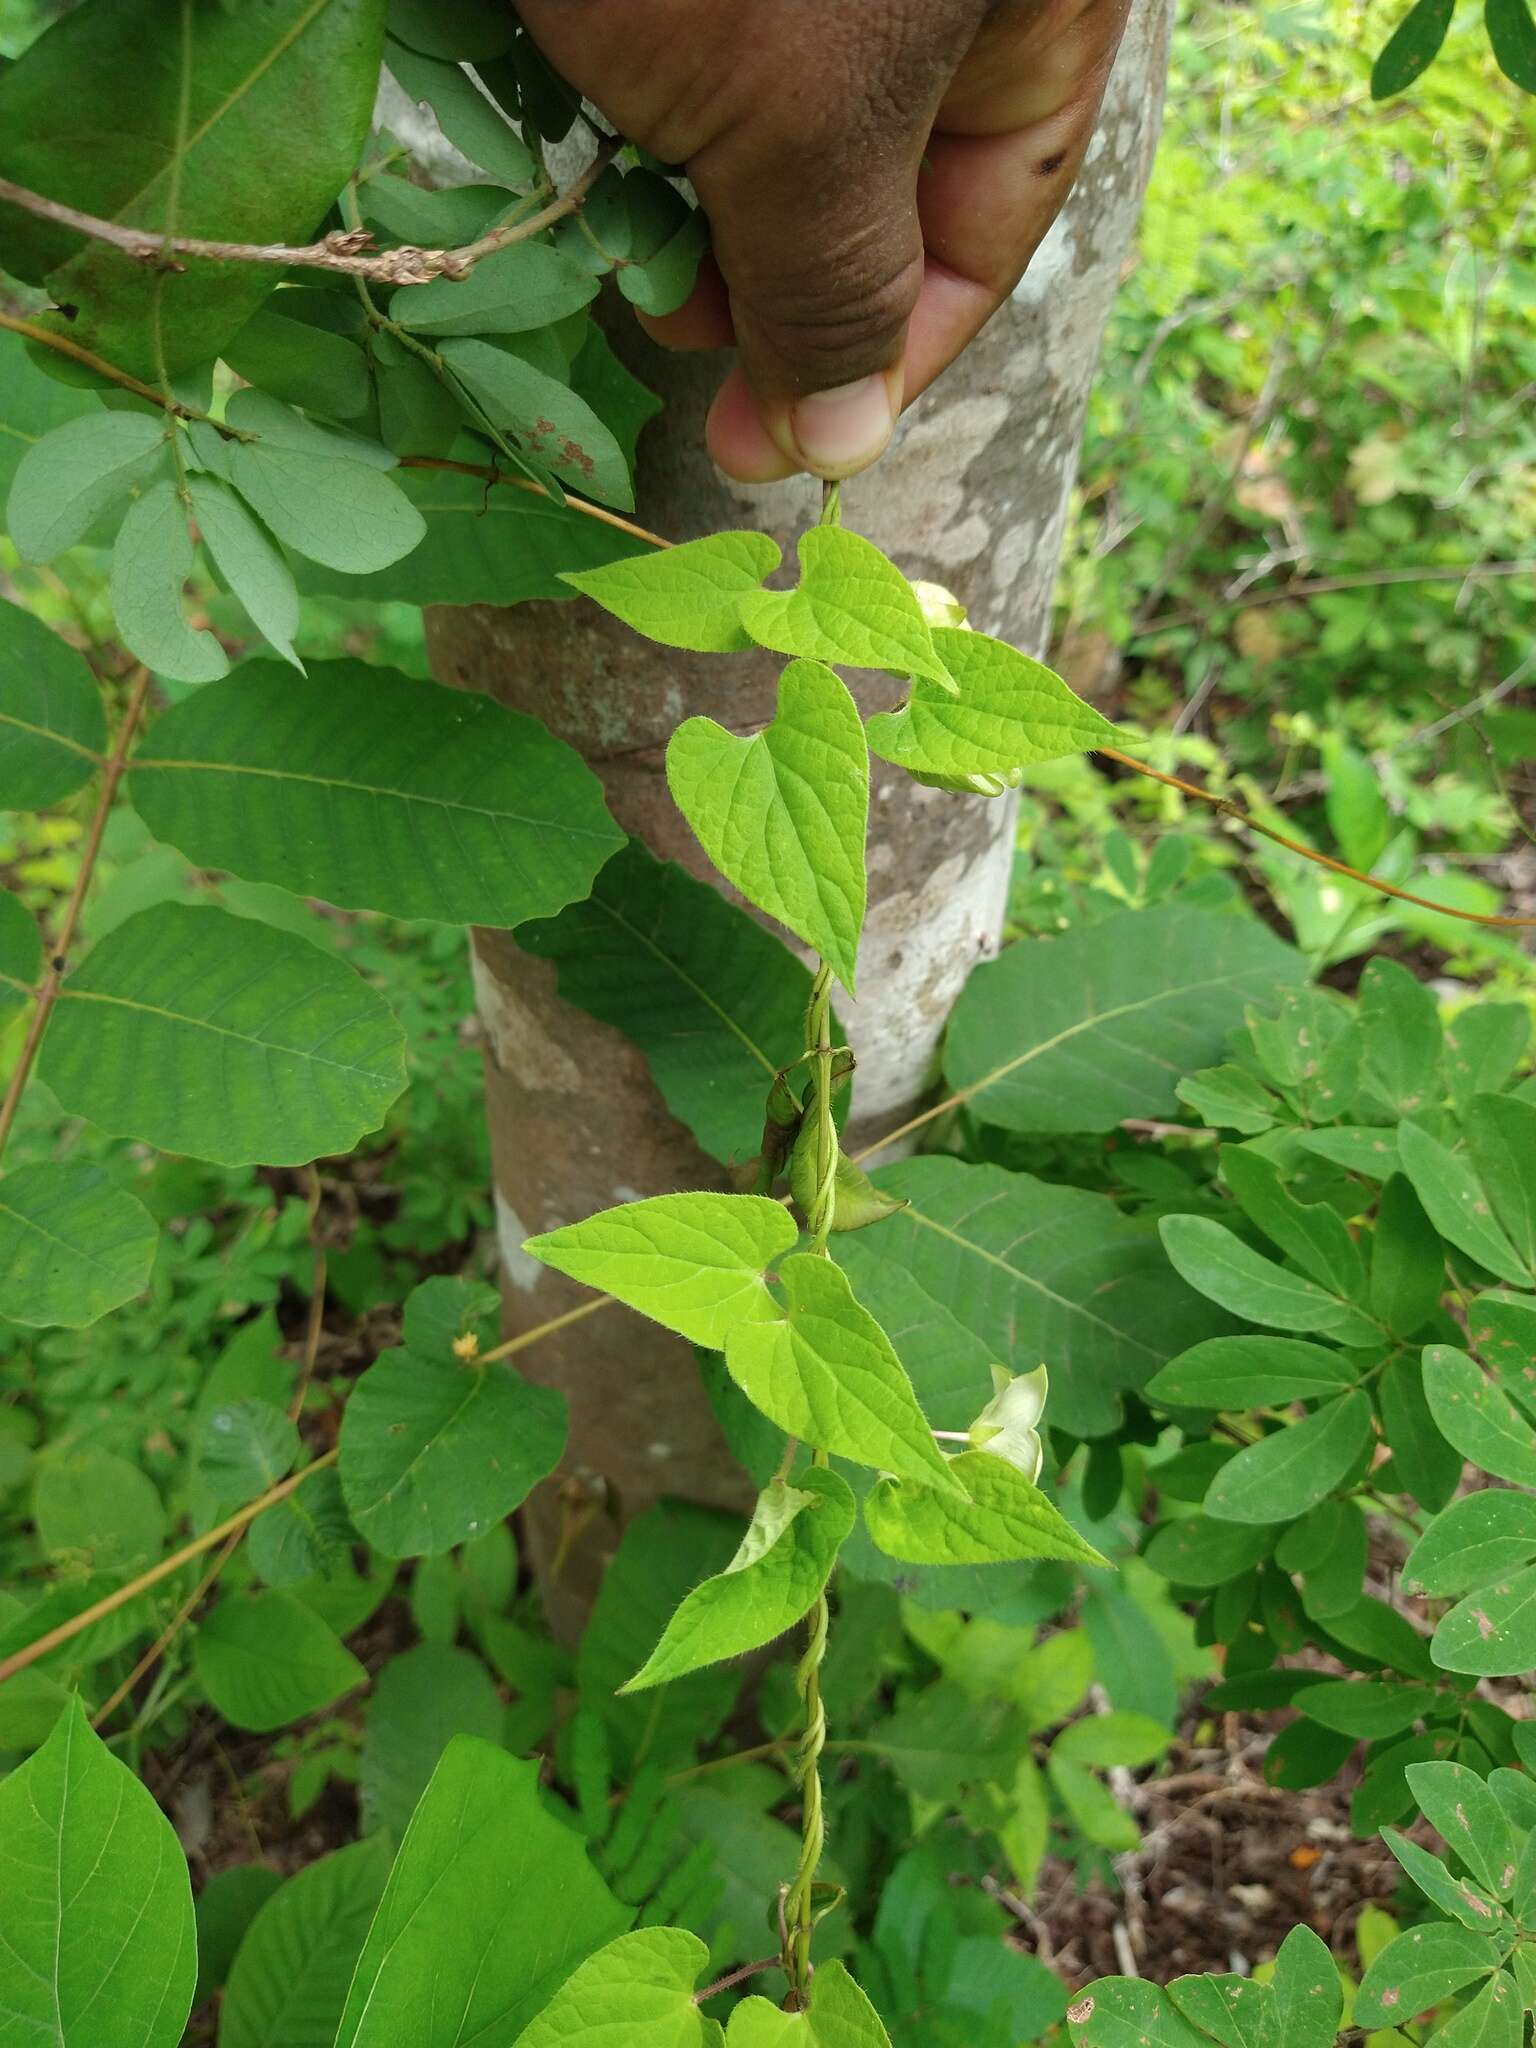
(348, 251)
(111, 1602)
(798, 1918)
(48, 991)
(818, 1038)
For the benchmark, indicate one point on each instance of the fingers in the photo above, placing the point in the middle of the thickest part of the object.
(822, 255)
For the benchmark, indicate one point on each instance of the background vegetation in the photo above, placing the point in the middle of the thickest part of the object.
(1302, 564)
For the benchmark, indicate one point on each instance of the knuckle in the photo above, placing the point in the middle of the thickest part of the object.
(840, 314)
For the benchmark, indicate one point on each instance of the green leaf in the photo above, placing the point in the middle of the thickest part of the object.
(694, 1263)
(1495, 2018)
(785, 1560)
(209, 93)
(1284, 1475)
(300, 363)
(21, 954)
(688, 596)
(783, 815)
(1381, 1635)
(454, 1954)
(72, 1246)
(250, 562)
(1402, 1037)
(1492, 1633)
(852, 606)
(1201, 1552)
(1367, 1708)
(267, 1659)
(822, 1368)
(1418, 1970)
(1457, 1204)
(290, 1973)
(376, 791)
(1127, 2012)
(548, 421)
(1455, 1801)
(339, 511)
(422, 1700)
(92, 1507)
(1250, 1372)
(635, 1993)
(279, 427)
(1308, 1995)
(1412, 48)
(1230, 1098)
(244, 1447)
(1092, 1808)
(307, 1535)
(52, 731)
(1074, 1033)
(1512, 32)
(433, 1453)
(1001, 1517)
(715, 1002)
(1366, 1149)
(1311, 1234)
(1010, 711)
(529, 285)
(1503, 1332)
(1424, 1462)
(1109, 1741)
(151, 561)
(467, 118)
(77, 475)
(1474, 1541)
(1304, 1754)
(1483, 1423)
(1222, 1267)
(482, 545)
(1034, 1272)
(32, 404)
(205, 1033)
(840, 2016)
(226, 1907)
(1453, 1895)
(1483, 1047)
(464, 31)
(664, 282)
(1501, 1138)
(98, 1907)
(1407, 1260)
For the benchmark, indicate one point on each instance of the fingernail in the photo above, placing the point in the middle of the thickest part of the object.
(840, 431)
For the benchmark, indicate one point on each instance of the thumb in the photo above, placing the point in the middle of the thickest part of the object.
(822, 256)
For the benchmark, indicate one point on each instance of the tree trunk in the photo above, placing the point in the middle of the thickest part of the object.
(973, 495)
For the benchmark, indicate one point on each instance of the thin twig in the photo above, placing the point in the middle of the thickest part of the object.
(111, 1602)
(48, 992)
(486, 475)
(169, 1633)
(1325, 860)
(1324, 586)
(62, 345)
(347, 250)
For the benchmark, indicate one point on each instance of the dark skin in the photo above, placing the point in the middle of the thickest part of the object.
(877, 175)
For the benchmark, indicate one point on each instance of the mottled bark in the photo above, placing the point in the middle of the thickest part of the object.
(973, 495)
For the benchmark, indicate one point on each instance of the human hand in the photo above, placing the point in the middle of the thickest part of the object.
(877, 175)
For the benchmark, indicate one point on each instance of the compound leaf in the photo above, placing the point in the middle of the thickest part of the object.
(52, 730)
(72, 1246)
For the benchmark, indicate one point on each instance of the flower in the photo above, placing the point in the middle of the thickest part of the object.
(1008, 1426)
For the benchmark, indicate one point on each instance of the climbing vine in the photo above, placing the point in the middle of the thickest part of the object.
(293, 369)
